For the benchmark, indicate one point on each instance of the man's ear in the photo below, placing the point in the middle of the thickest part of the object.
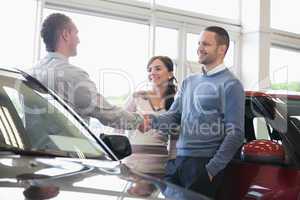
(222, 49)
(171, 75)
(65, 34)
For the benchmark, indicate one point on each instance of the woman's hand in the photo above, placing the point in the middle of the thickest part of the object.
(146, 125)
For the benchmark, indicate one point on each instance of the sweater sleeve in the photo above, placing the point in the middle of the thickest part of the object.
(169, 121)
(234, 109)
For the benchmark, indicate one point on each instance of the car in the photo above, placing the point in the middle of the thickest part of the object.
(267, 166)
(48, 152)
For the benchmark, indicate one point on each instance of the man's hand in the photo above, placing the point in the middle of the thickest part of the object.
(146, 125)
(210, 177)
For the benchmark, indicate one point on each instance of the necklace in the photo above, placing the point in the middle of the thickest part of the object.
(156, 109)
(153, 108)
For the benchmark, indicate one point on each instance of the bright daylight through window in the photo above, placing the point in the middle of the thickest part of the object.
(226, 9)
(17, 33)
(284, 69)
(284, 15)
(166, 42)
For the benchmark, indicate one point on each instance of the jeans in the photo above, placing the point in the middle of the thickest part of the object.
(190, 173)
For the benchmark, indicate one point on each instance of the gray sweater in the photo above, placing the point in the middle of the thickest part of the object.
(210, 111)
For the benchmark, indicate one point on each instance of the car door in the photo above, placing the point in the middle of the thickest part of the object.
(263, 177)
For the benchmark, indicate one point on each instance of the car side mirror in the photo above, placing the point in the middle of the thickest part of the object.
(118, 144)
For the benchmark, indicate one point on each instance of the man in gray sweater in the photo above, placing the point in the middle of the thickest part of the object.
(210, 110)
(72, 83)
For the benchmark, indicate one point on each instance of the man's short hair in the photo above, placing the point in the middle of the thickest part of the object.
(222, 36)
(53, 25)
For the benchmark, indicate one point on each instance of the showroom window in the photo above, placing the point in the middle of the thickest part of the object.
(147, 1)
(17, 19)
(284, 15)
(284, 69)
(113, 52)
(226, 9)
(192, 46)
(166, 42)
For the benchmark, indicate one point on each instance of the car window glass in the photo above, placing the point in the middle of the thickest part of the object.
(39, 122)
(17, 100)
(9, 132)
(261, 128)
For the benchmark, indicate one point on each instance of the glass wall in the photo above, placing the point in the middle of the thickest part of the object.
(166, 42)
(17, 19)
(226, 9)
(284, 69)
(285, 15)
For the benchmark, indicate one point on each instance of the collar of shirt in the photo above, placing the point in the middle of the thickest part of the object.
(215, 70)
(56, 55)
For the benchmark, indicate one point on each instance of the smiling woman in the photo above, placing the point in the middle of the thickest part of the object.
(152, 151)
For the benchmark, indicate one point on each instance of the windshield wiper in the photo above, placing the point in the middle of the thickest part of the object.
(19, 151)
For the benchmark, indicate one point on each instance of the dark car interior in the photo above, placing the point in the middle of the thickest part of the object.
(283, 128)
(259, 107)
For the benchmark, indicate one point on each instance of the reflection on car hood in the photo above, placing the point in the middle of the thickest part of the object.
(24, 177)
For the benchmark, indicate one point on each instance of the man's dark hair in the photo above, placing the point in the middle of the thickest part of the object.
(53, 25)
(222, 36)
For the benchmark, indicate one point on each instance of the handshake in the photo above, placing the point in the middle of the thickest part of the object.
(145, 125)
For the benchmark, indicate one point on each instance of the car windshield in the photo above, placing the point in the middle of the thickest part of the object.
(31, 119)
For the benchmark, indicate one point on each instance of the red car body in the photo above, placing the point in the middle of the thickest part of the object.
(266, 167)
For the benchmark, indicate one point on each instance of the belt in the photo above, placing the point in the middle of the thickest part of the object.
(149, 149)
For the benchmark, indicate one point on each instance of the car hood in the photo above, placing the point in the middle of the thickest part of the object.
(26, 177)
